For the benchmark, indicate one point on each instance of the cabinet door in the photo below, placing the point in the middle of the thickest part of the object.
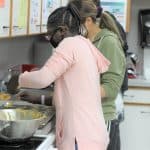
(137, 95)
(55, 4)
(4, 18)
(120, 9)
(48, 6)
(35, 16)
(134, 131)
(19, 17)
(64, 2)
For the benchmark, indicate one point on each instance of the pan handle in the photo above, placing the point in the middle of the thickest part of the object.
(4, 126)
(1, 129)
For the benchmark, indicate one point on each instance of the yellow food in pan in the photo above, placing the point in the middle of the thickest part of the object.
(4, 96)
(20, 114)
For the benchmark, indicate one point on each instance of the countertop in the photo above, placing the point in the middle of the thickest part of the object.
(139, 95)
(139, 82)
(47, 144)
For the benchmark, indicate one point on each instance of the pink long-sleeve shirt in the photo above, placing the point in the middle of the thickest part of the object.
(75, 66)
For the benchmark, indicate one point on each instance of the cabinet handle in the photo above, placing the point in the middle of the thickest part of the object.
(44, 25)
(15, 26)
(145, 112)
(6, 27)
(129, 96)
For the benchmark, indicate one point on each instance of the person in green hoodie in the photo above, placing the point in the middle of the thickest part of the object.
(100, 28)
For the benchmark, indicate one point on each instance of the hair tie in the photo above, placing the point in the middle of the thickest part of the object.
(99, 12)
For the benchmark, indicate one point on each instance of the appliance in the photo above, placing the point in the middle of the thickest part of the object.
(132, 60)
(30, 144)
(144, 27)
(37, 142)
(44, 132)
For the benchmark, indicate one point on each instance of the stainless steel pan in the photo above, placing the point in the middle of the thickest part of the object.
(19, 123)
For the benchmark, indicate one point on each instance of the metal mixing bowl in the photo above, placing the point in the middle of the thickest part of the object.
(19, 123)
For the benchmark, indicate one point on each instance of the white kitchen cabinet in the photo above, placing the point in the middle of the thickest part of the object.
(134, 130)
(64, 2)
(5, 18)
(137, 95)
(19, 17)
(56, 4)
(48, 6)
(34, 17)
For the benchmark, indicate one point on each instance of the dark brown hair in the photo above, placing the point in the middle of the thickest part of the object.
(62, 23)
(63, 17)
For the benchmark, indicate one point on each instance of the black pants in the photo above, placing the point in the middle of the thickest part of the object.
(76, 147)
(76, 144)
(114, 136)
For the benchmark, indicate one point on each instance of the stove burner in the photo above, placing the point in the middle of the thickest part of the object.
(30, 144)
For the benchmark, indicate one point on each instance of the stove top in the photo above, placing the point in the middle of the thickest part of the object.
(30, 144)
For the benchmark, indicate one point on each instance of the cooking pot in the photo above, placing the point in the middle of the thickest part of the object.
(18, 123)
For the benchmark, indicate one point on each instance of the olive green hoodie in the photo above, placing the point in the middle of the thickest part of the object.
(109, 45)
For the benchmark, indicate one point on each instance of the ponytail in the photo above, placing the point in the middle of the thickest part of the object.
(107, 21)
(91, 8)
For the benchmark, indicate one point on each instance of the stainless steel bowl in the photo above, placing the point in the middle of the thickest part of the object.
(19, 123)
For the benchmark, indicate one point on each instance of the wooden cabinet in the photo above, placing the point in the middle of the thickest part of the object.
(64, 2)
(19, 17)
(120, 9)
(5, 18)
(34, 17)
(128, 16)
(25, 17)
(134, 130)
(47, 8)
(56, 4)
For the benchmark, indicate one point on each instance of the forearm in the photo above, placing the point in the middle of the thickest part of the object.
(36, 79)
(111, 88)
(61, 60)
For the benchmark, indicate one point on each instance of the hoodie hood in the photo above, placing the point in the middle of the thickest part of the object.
(101, 61)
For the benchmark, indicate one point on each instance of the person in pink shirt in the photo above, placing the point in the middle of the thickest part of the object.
(75, 66)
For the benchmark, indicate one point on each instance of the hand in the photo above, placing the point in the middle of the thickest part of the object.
(35, 96)
(30, 97)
